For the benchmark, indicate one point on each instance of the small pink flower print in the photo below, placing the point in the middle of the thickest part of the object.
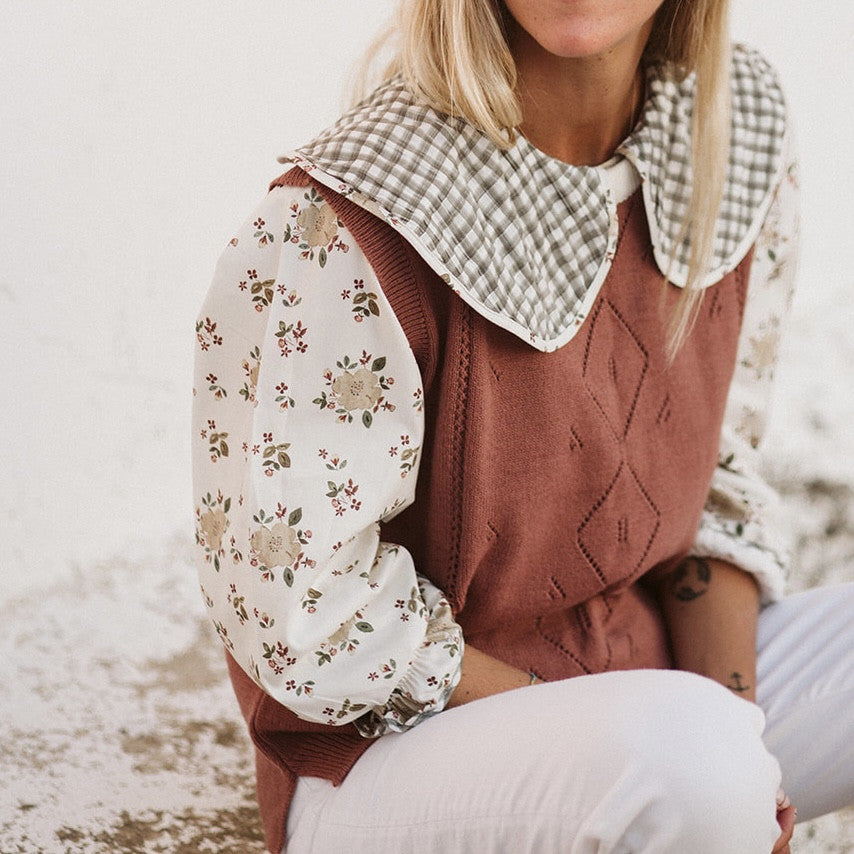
(263, 236)
(334, 462)
(278, 656)
(207, 335)
(291, 336)
(284, 400)
(213, 385)
(343, 496)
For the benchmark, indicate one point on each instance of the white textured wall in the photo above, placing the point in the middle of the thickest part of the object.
(134, 136)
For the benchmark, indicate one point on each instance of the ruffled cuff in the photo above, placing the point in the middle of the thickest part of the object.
(744, 544)
(432, 674)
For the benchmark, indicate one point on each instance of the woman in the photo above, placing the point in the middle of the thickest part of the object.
(462, 282)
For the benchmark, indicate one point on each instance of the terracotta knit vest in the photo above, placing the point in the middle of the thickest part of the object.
(550, 483)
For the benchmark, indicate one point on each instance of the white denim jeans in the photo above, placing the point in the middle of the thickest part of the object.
(634, 761)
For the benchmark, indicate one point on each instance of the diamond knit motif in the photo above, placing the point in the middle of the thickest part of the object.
(614, 369)
(626, 539)
(615, 364)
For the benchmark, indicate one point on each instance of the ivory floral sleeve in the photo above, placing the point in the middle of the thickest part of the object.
(307, 428)
(740, 521)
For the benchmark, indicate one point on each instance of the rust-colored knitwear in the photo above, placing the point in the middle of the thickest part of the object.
(550, 483)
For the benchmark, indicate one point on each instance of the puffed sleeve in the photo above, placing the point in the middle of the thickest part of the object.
(741, 520)
(308, 422)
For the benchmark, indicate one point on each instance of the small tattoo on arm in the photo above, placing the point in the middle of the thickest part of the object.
(735, 683)
(690, 579)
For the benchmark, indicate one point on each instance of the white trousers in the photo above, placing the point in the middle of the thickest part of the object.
(635, 761)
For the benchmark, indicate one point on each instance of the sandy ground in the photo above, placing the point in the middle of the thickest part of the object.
(134, 141)
(120, 734)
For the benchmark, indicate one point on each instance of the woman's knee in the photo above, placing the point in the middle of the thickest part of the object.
(712, 781)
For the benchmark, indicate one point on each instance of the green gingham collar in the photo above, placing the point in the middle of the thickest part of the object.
(526, 239)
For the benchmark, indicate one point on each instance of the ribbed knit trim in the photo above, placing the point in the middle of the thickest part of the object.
(286, 747)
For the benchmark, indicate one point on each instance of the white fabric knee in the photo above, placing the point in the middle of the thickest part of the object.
(805, 670)
(637, 761)
(697, 777)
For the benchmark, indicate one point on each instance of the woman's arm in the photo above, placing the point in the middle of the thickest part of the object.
(483, 676)
(308, 424)
(740, 524)
(710, 608)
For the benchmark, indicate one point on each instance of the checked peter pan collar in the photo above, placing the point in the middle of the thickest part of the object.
(527, 240)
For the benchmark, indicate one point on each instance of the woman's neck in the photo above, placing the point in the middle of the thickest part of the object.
(578, 110)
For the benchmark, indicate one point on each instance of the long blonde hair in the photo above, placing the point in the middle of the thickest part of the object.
(455, 57)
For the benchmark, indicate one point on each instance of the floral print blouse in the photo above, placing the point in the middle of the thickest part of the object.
(307, 426)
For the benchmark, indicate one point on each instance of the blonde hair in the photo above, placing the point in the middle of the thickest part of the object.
(455, 57)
